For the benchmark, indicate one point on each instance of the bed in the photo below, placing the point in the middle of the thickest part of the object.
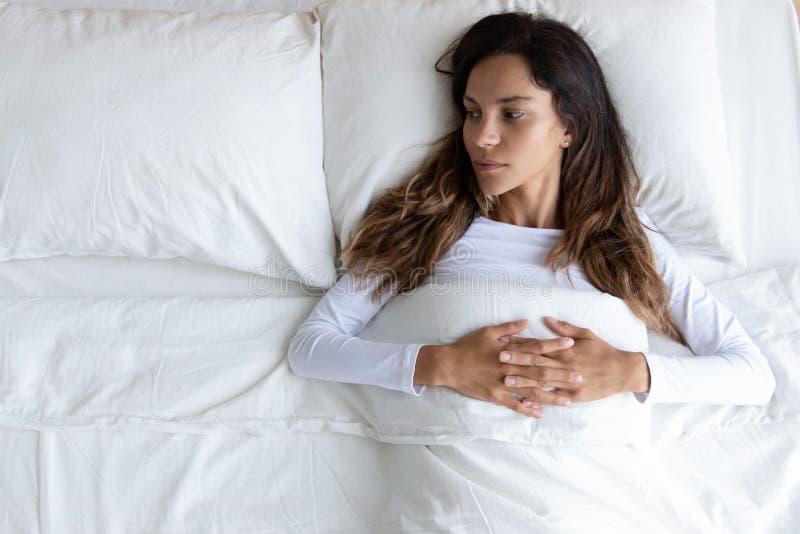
(98, 434)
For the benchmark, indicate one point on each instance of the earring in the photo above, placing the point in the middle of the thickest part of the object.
(566, 144)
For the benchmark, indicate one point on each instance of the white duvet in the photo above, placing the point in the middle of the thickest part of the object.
(138, 435)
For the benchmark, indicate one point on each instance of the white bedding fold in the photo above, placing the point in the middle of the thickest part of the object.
(211, 365)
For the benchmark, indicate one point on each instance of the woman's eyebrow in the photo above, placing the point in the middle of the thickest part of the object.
(504, 100)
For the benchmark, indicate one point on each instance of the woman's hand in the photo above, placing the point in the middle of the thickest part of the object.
(470, 366)
(604, 369)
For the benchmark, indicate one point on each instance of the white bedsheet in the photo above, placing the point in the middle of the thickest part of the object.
(743, 480)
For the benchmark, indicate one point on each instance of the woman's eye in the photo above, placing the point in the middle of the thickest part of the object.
(509, 114)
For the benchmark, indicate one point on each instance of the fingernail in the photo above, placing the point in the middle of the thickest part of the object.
(567, 342)
(511, 381)
(576, 377)
(504, 339)
(504, 356)
(563, 401)
(527, 404)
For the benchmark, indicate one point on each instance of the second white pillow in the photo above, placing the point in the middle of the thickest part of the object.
(384, 101)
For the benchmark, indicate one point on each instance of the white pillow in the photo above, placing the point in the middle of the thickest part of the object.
(162, 135)
(211, 364)
(443, 313)
(286, 6)
(382, 97)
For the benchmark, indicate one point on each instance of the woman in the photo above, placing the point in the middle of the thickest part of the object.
(538, 172)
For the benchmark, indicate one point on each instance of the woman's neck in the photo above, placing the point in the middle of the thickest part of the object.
(533, 219)
(535, 204)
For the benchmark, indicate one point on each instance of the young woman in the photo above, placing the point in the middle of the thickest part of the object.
(538, 173)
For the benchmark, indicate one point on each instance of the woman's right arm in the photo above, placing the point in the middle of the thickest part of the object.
(326, 345)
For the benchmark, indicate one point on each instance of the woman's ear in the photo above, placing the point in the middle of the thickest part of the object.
(566, 139)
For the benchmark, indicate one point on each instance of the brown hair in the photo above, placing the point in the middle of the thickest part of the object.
(412, 225)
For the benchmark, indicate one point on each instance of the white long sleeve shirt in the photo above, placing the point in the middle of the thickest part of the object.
(728, 369)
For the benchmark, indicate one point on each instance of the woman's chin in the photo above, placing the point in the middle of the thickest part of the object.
(490, 190)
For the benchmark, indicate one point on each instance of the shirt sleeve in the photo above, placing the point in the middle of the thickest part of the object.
(326, 346)
(728, 367)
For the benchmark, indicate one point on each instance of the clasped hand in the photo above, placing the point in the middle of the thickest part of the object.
(580, 366)
(536, 371)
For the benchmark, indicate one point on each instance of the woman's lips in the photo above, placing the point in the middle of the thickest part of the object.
(489, 168)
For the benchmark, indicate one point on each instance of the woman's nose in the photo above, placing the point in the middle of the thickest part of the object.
(486, 134)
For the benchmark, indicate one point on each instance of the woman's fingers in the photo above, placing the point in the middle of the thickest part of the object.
(519, 406)
(533, 346)
(542, 377)
(518, 357)
(506, 329)
(539, 396)
(515, 339)
(564, 328)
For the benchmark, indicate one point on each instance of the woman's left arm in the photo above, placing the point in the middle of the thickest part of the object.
(728, 369)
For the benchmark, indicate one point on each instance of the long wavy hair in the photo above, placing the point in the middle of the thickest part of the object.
(411, 226)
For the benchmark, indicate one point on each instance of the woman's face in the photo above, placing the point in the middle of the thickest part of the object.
(523, 134)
